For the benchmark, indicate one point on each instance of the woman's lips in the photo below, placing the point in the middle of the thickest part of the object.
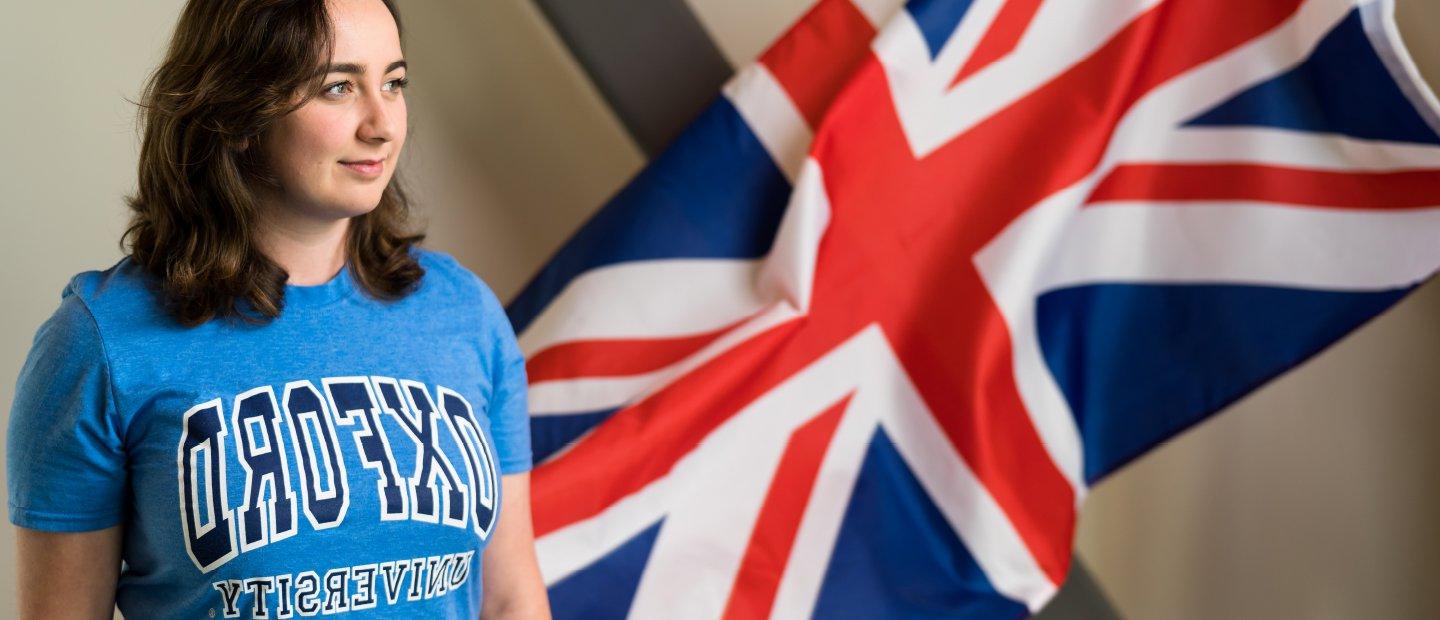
(368, 168)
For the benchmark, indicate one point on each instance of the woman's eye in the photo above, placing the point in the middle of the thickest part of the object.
(340, 88)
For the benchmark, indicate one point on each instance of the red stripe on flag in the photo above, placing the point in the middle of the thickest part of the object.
(615, 358)
(1002, 37)
(815, 57)
(1405, 189)
(758, 579)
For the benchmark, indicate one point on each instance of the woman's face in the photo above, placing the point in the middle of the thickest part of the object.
(335, 155)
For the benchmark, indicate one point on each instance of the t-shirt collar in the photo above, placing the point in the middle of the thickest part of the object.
(338, 287)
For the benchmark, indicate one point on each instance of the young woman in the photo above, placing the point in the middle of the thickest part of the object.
(277, 404)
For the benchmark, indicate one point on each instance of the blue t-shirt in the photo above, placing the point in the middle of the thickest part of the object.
(344, 458)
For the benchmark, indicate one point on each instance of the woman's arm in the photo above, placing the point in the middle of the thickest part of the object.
(511, 575)
(69, 574)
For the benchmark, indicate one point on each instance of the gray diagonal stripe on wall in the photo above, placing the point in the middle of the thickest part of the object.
(1080, 598)
(650, 59)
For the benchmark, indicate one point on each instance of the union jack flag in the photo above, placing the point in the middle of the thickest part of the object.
(859, 341)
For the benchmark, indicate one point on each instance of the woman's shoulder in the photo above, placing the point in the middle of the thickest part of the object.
(112, 298)
(92, 305)
(447, 276)
(119, 287)
(125, 278)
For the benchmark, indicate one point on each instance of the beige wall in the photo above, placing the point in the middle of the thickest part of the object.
(1315, 498)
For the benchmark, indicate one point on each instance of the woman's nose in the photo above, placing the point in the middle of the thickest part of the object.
(378, 123)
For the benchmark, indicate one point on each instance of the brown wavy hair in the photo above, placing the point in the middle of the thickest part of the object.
(232, 70)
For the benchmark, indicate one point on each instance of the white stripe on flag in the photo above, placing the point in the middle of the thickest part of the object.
(879, 12)
(789, 270)
(1379, 19)
(647, 299)
(1244, 243)
(772, 116)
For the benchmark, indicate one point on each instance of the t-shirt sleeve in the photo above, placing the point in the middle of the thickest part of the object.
(509, 410)
(64, 453)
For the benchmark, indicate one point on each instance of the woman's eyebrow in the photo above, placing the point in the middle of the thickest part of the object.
(359, 69)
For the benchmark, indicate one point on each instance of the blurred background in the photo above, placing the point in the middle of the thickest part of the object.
(1316, 497)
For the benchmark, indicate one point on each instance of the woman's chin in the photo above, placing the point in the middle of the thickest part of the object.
(352, 207)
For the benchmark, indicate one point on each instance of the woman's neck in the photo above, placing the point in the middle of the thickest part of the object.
(311, 251)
